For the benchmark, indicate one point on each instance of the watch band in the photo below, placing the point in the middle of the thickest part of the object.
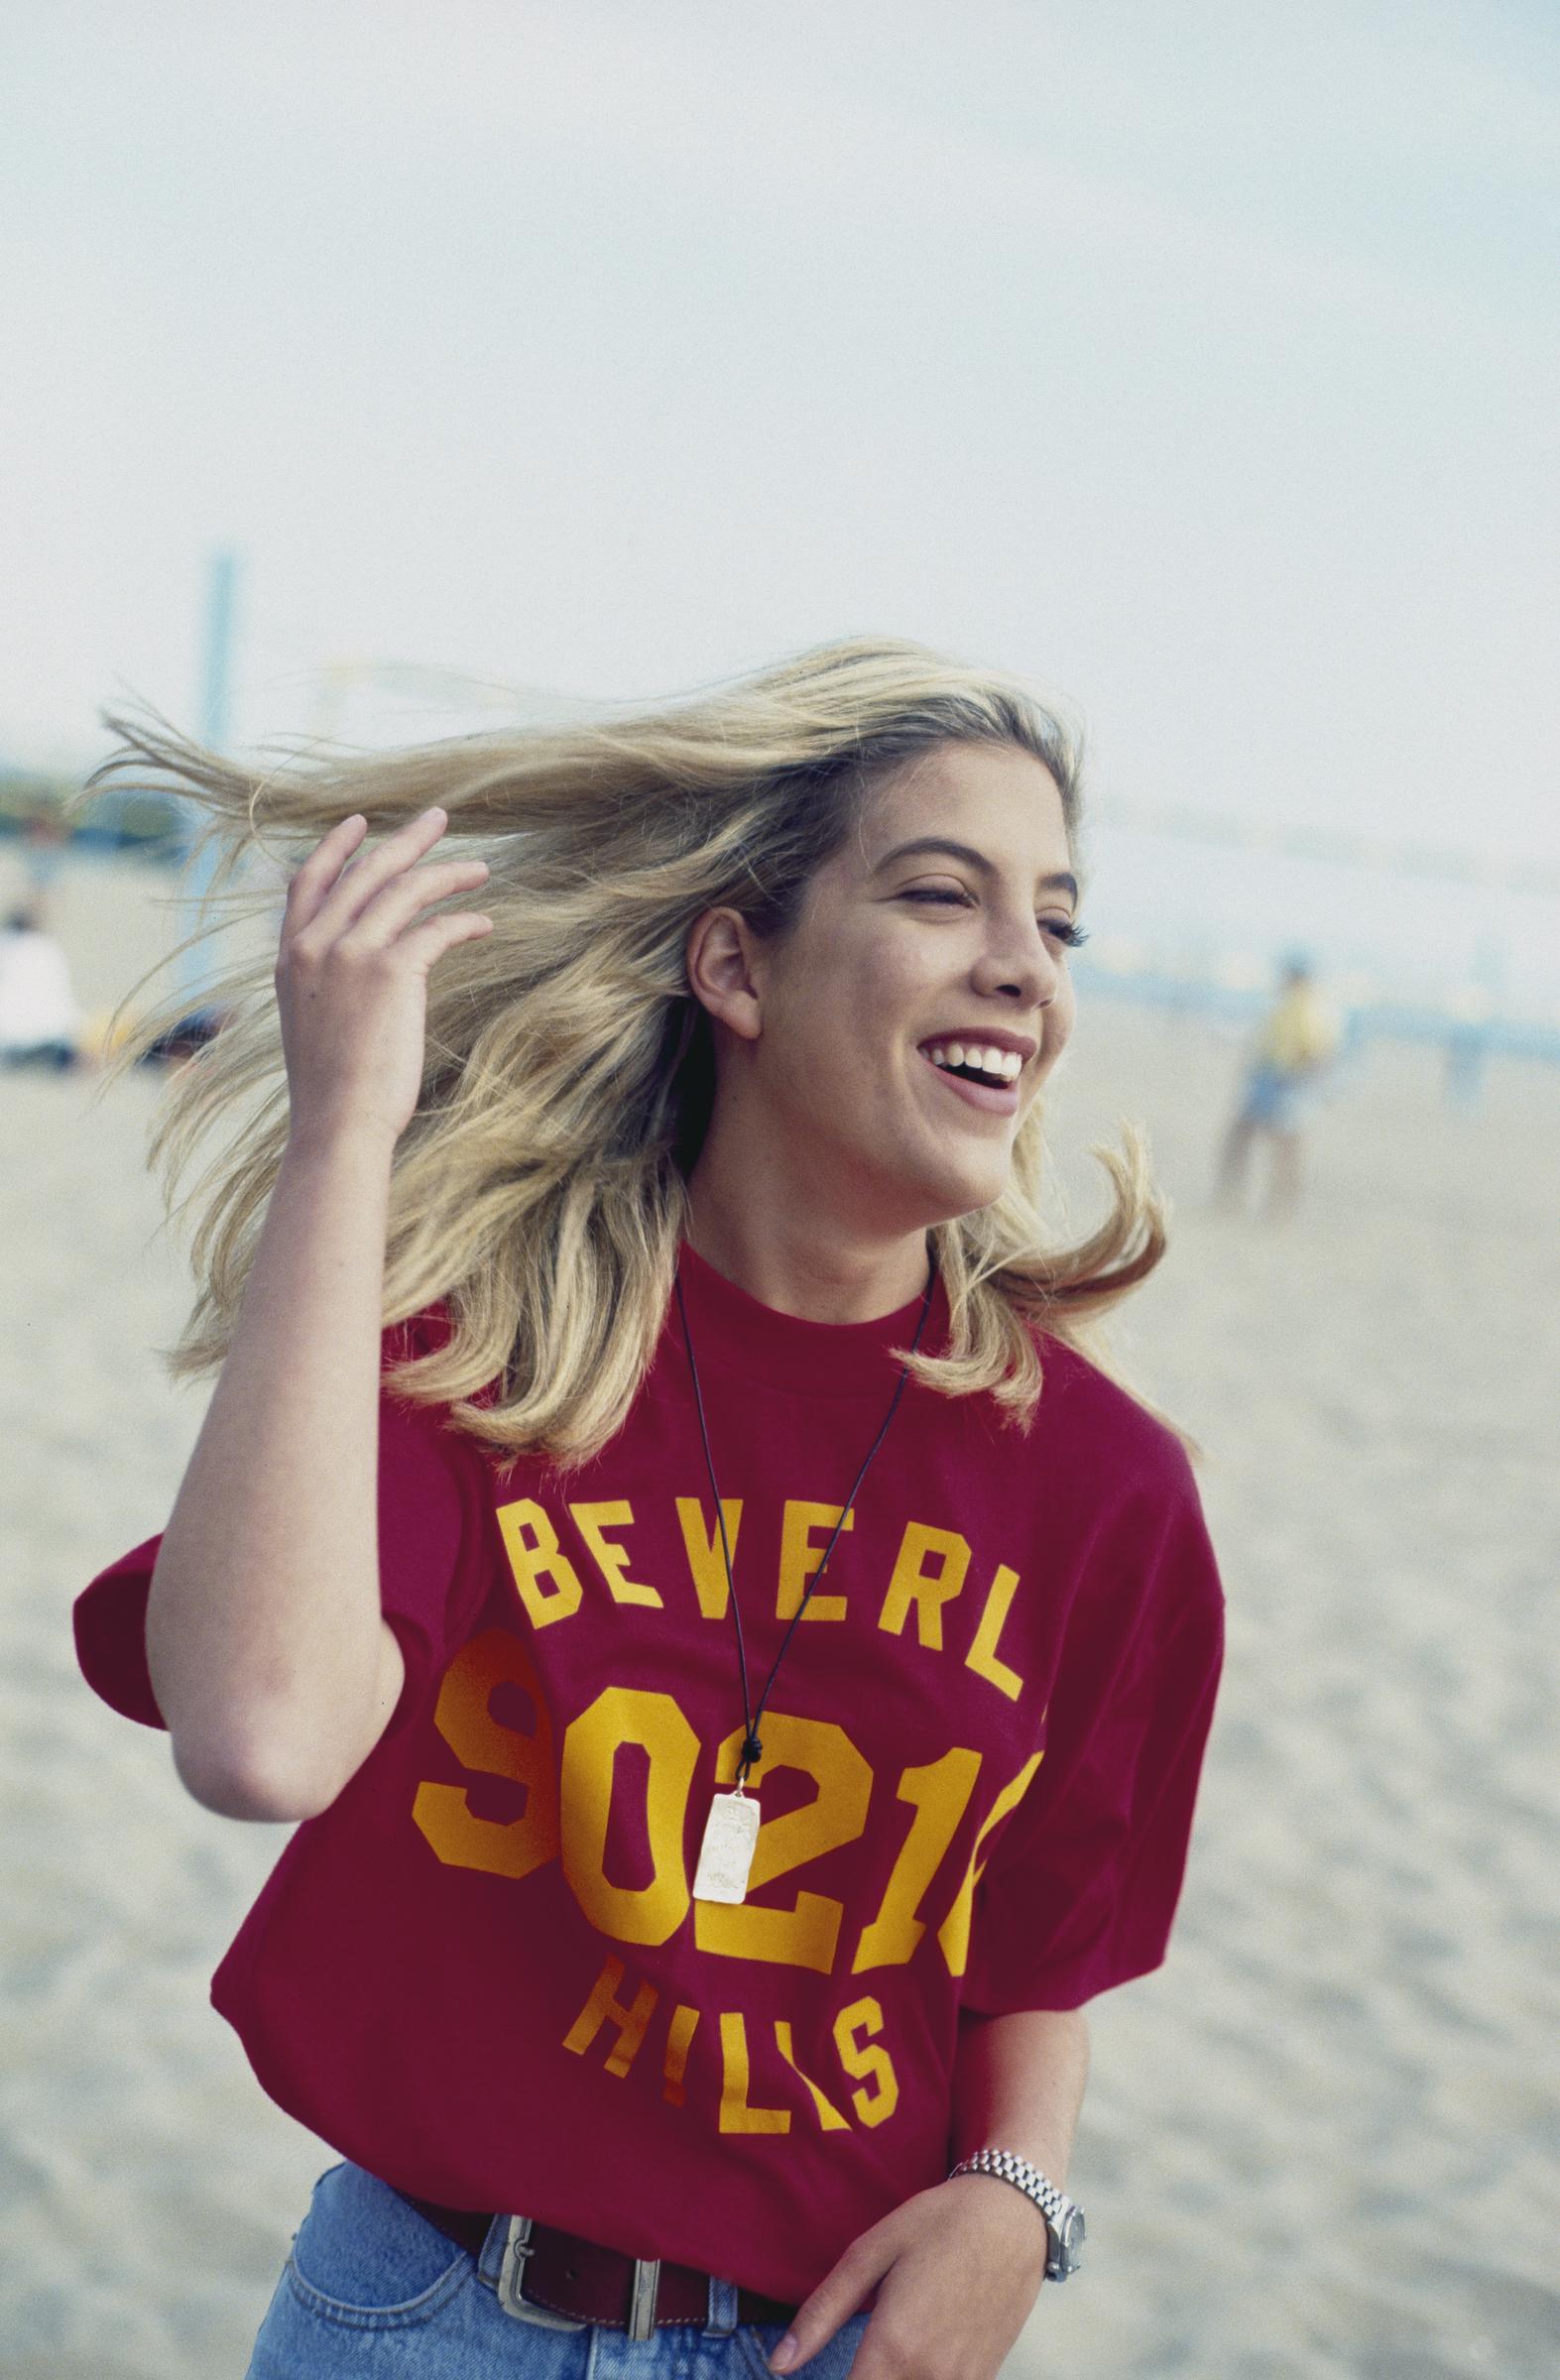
(1064, 2226)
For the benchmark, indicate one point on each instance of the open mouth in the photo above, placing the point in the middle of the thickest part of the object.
(979, 1063)
(972, 1077)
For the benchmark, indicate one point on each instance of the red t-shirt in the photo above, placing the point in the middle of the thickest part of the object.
(480, 1975)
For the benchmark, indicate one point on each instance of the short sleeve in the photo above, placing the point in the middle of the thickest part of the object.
(1081, 1890)
(424, 1486)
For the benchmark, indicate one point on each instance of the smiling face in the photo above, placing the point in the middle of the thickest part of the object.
(943, 925)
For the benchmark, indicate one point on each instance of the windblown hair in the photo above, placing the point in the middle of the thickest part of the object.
(539, 1190)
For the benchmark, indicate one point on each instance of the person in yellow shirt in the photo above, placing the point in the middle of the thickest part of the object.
(1294, 1047)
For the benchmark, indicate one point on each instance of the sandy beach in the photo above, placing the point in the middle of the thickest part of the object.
(1321, 2141)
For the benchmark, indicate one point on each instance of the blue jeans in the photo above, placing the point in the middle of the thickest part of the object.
(373, 2290)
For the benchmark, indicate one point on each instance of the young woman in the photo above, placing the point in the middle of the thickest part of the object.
(740, 1663)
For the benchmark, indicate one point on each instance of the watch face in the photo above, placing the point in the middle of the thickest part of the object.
(1072, 2233)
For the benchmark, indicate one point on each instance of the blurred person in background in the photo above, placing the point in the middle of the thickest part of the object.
(40, 1023)
(1288, 1064)
(46, 840)
(656, 1963)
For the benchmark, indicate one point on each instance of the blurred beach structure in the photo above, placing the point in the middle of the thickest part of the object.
(1321, 2140)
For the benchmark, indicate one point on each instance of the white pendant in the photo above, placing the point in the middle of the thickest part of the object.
(726, 1853)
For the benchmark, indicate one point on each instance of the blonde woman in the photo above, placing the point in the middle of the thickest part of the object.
(740, 1662)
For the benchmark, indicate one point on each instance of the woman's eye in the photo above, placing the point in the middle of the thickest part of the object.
(1060, 929)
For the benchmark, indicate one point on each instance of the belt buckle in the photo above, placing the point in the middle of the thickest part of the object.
(514, 2301)
(512, 2281)
(641, 2298)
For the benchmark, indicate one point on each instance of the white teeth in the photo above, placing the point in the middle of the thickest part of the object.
(1005, 1064)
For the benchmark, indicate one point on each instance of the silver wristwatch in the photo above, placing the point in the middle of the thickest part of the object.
(1063, 2220)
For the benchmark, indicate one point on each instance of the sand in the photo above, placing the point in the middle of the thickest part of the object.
(1320, 2141)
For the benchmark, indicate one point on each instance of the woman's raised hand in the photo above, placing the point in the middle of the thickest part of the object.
(352, 974)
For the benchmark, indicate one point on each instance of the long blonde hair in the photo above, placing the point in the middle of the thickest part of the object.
(540, 1187)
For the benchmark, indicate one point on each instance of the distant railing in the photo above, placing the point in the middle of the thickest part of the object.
(1383, 855)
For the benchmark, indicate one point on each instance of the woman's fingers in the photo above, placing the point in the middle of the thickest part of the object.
(313, 878)
(426, 944)
(397, 901)
(350, 888)
(363, 878)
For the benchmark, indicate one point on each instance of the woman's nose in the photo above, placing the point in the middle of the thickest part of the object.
(1025, 965)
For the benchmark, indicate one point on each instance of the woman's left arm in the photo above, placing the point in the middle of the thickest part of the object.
(959, 2265)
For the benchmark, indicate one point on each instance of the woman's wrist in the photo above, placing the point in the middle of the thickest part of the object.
(1060, 2218)
(336, 1142)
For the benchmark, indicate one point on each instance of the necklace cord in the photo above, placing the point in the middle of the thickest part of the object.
(752, 1748)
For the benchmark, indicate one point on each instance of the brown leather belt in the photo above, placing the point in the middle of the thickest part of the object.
(579, 2277)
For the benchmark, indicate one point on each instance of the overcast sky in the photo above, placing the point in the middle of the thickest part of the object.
(1196, 359)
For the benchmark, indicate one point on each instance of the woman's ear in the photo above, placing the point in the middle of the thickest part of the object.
(721, 955)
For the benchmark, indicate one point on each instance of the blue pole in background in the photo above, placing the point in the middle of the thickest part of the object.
(217, 672)
(195, 965)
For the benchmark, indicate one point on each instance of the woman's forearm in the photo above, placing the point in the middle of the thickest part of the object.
(263, 1622)
(1018, 2084)
(270, 1657)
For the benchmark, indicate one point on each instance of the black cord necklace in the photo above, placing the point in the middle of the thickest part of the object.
(732, 1828)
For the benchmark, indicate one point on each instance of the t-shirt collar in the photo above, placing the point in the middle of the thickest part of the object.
(733, 1333)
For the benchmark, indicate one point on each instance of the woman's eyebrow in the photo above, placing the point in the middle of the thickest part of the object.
(972, 859)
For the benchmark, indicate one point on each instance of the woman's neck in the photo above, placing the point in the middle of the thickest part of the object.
(802, 1261)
